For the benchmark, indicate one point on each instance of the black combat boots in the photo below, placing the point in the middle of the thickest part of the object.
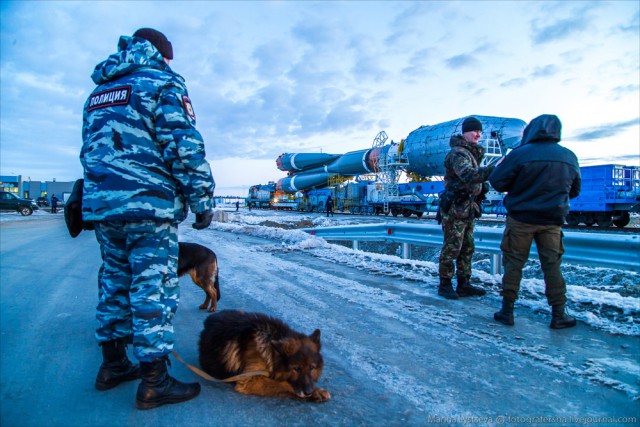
(560, 319)
(446, 289)
(505, 315)
(158, 387)
(116, 367)
(465, 289)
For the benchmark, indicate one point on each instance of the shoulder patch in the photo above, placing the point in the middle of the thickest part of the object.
(108, 98)
(188, 107)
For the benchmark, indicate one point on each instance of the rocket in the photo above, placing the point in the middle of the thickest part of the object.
(423, 153)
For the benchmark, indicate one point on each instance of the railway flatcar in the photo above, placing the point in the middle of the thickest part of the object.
(609, 193)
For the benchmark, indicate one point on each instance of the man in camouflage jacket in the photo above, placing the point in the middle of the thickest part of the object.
(464, 184)
(144, 166)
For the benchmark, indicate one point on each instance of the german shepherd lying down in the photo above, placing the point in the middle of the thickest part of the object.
(202, 265)
(234, 342)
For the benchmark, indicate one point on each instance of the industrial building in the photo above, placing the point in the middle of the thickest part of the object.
(30, 189)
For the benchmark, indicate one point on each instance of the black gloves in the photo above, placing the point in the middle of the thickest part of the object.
(203, 219)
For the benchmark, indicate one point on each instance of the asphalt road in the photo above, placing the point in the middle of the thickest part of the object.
(395, 354)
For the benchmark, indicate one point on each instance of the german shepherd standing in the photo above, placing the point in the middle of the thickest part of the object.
(234, 342)
(201, 264)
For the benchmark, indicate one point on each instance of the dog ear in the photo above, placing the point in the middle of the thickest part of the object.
(284, 346)
(315, 337)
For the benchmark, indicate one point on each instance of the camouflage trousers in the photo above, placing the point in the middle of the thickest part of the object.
(516, 244)
(138, 285)
(458, 246)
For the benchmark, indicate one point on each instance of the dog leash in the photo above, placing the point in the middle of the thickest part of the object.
(208, 377)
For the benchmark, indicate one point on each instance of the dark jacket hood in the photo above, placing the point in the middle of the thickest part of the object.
(544, 128)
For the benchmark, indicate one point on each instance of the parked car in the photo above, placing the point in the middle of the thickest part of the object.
(13, 203)
(42, 201)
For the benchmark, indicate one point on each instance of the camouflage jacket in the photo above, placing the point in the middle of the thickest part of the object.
(464, 177)
(143, 158)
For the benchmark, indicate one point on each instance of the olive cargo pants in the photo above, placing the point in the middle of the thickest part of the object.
(516, 244)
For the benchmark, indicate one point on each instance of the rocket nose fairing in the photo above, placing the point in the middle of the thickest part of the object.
(427, 146)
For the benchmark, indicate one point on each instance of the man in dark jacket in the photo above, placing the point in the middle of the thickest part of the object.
(144, 166)
(54, 204)
(463, 181)
(329, 206)
(540, 177)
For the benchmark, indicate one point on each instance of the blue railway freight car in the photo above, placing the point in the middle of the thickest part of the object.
(609, 193)
(261, 195)
(316, 200)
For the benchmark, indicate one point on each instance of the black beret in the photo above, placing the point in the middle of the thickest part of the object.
(157, 39)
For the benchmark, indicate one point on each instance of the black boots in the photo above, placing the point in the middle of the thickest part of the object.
(560, 319)
(465, 289)
(505, 315)
(446, 289)
(158, 387)
(116, 367)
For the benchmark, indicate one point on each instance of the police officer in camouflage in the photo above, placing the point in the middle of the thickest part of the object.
(144, 167)
(465, 185)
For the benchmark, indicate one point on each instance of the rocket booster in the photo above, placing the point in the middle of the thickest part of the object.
(301, 161)
(424, 149)
(350, 164)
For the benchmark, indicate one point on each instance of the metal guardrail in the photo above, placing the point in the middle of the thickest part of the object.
(592, 249)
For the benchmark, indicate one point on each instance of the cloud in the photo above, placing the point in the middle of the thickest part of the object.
(369, 67)
(634, 25)
(406, 23)
(418, 63)
(274, 58)
(573, 56)
(580, 16)
(632, 89)
(314, 34)
(460, 61)
(559, 30)
(346, 115)
(272, 117)
(517, 82)
(547, 71)
(468, 59)
(603, 131)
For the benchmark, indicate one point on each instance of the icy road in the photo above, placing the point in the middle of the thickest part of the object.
(395, 353)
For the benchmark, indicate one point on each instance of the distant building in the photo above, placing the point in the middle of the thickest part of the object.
(33, 189)
(12, 184)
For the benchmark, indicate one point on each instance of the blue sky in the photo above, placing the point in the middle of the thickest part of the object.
(269, 77)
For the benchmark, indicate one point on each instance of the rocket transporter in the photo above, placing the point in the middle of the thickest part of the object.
(610, 192)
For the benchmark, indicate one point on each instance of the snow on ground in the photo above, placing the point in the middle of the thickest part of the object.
(603, 298)
(39, 214)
